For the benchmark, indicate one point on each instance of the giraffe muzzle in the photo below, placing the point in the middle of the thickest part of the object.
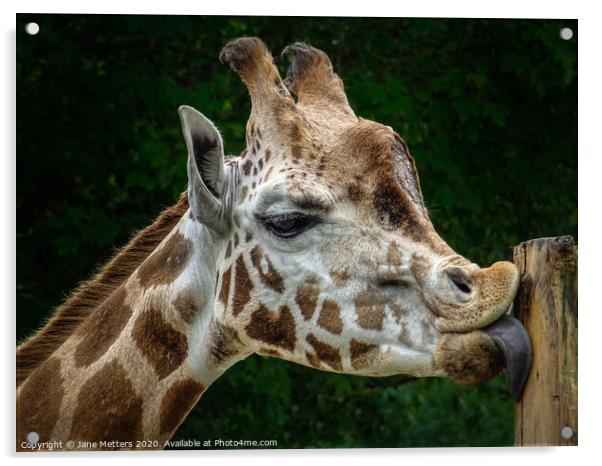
(478, 340)
(469, 298)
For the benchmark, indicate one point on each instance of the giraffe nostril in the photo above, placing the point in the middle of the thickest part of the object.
(463, 287)
(459, 279)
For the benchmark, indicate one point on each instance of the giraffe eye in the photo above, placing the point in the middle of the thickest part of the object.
(288, 225)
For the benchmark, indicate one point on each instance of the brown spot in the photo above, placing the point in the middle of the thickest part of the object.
(326, 353)
(268, 154)
(428, 336)
(394, 256)
(167, 263)
(396, 209)
(254, 171)
(163, 346)
(224, 343)
(355, 191)
(398, 312)
(271, 278)
(339, 276)
(102, 328)
(236, 218)
(269, 352)
(242, 286)
(313, 360)
(404, 337)
(370, 310)
(295, 136)
(225, 288)
(243, 192)
(307, 298)
(186, 305)
(330, 317)
(39, 401)
(177, 402)
(108, 408)
(420, 268)
(228, 250)
(268, 173)
(260, 163)
(361, 354)
(248, 237)
(235, 240)
(246, 167)
(275, 328)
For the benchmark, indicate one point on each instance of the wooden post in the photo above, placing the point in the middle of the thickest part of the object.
(546, 304)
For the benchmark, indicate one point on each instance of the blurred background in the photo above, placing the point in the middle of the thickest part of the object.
(487, 107)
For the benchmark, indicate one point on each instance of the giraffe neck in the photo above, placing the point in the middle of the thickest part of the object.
(134, 369)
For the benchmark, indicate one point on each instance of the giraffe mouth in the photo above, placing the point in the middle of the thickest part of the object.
(479, 355)
(478, 339)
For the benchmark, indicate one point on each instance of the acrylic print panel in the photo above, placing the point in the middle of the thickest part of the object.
(318, 290)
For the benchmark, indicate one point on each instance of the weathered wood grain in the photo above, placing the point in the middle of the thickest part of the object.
(546, 304)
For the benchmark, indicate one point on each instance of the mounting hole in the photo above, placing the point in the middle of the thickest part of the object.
(566, 33)
(33, 437)
(32, 28)
(566, 432)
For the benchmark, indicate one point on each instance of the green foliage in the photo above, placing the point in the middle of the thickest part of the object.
(303, 408)
(488, 108)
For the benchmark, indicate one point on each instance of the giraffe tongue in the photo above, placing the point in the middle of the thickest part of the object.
(513, 341)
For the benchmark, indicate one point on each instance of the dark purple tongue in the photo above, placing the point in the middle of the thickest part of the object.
(513, 340)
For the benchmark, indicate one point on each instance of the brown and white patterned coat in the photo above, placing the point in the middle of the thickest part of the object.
(314, 246)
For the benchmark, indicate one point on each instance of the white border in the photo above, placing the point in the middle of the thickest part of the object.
(425, 8)
(590, 103)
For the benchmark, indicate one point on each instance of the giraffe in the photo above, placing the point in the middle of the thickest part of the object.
(314, 246)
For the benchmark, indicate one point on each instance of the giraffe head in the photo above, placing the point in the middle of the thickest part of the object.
(329, 257)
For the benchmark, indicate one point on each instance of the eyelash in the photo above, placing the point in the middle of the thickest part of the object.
(300, 224)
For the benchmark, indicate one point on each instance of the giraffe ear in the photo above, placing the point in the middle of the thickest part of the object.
(207, 175)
